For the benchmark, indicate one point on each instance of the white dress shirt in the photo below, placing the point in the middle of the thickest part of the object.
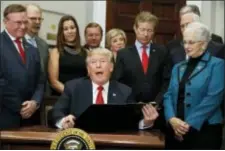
(31, 40)
(105, 98)
(13, 40)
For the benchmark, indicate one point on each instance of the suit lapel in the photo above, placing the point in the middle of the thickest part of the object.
(27, 53)
(181, 69)
(40, 50)
(13, 48)
(112, 93)
(137, 60)
(153, 59)
(200, 66)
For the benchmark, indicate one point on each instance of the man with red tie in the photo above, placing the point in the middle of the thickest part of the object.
(21, 79)
(79, 94)
(145, 66)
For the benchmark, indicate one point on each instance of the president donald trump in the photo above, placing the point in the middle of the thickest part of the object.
(79, 94)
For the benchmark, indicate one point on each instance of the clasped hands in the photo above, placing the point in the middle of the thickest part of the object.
(28, 108)
(180, 127)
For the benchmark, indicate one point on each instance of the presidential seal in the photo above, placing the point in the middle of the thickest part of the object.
(72, 139)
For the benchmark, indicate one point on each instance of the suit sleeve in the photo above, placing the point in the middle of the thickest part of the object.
(62, 106)
(167, 68)
(39, 91)
(212, 100)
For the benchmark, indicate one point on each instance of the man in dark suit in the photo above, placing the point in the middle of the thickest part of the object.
(22, 83)
(93, 36)
(145, 66)
(79, 94)
(194, 9)
(34, 15)
(176, 47)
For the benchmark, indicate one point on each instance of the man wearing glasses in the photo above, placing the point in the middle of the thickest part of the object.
(21, 78)
(34, 18)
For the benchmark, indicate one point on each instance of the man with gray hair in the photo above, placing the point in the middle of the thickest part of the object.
(176, 47)
(194, 9)
(34, 17)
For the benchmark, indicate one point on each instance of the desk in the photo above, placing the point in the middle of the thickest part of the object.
(39, 137)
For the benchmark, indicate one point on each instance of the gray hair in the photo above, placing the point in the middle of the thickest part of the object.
(32, 6)
(200, 30)
(100, 51)
(190, 8)
(193, 15)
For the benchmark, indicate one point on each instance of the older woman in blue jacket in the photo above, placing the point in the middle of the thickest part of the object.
(193, 100)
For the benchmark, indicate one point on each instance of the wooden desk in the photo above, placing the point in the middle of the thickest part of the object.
(38, 137)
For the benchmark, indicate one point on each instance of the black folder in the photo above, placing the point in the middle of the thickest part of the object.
(110, 118)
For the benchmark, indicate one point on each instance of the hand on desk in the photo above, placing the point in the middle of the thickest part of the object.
(28, 108)
(68, 122)
(150, 114)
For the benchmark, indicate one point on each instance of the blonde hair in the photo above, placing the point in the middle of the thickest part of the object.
(100, 51)
(146, 16)
(113, 33)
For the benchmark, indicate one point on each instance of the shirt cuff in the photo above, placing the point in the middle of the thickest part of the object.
(59, 123)
(143, 126)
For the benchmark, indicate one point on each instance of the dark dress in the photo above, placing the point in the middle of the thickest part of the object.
(71, 66)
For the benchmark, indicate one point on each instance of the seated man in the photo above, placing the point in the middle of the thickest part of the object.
(79, 94)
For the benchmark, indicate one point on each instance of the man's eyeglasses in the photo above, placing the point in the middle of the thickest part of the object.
(36, 18)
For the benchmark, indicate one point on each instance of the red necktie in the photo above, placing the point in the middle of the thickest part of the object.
(99, 99)
(21, 50)
(144, 59)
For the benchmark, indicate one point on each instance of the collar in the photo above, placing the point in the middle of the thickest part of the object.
(105, 86)
(29, 37)
(11, 37)
(139, 45)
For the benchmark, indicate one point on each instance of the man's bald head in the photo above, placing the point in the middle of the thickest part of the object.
(34, 14)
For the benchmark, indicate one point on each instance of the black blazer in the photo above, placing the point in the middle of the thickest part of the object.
(149, 87)
(177, 52)
(77, 97)
(18, 81)
(217, 38)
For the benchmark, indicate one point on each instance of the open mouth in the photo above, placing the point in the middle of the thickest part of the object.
(99, 73)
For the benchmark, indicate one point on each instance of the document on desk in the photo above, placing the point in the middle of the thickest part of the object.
(110, 118)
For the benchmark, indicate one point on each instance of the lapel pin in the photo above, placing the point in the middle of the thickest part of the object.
(114, 94)
(199, 67)
(153, 50)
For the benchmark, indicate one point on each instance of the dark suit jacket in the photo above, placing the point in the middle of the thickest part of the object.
(217, 38)
(177, 52)
(44, 53)
(149, 87)
(77, 97)
(18, 81)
